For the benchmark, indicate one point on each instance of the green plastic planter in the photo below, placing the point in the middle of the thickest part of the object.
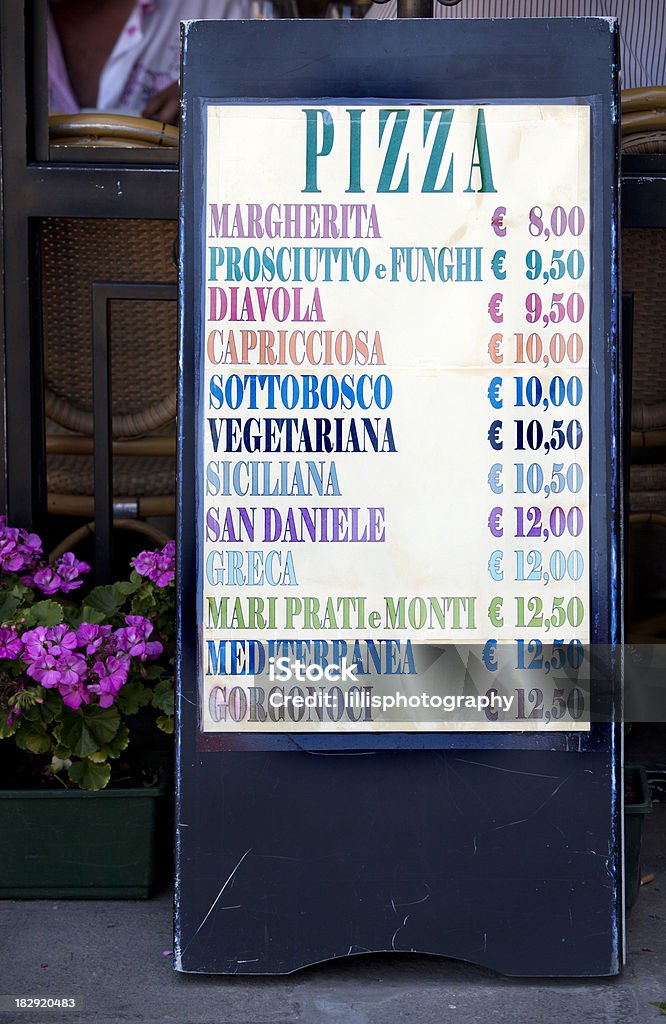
(72, 844)
(634, 816)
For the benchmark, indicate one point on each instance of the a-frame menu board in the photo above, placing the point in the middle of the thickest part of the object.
(399, 495)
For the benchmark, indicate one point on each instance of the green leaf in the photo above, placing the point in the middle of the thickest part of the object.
(8, 604)
(165, 723)
(62, 753)
(151, 672)
(130, 586)
(31, 737)
(33, 713)
(87, 775)
(93, 617)
(47, 710)
(131, 697)
(52, 706)
(7, 730)
(44, 613)
(114, 748)
(163, 696)
(144, 604)
(88, 730)
(105, 601)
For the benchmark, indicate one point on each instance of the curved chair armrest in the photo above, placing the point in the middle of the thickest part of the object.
(108, 129)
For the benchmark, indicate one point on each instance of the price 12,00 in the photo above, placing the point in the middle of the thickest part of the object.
(561, 522)
(560, 565)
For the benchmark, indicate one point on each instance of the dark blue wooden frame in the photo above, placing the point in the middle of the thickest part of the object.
(410, 785)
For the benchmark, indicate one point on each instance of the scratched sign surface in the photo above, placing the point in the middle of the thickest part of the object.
(394, 401)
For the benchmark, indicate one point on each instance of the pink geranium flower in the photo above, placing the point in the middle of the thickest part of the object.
(158, 566)
(62, 576)
(134, 638)
(11, 644)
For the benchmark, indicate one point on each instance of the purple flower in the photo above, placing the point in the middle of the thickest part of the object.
(74, 694)
(61, 638)
(11, 559)
(134, 638)
(32, 548)
(144, 562)
(112, 675)
(69, 568)
(18, 548)
(11, 644)
(44, 670)
(50, 658)
(35, 643)
(158, 566)
(73, 668)
(63, 575)
(66, 671)
(89, 663)
(91, 637)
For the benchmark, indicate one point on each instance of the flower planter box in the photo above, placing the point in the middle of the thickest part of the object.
(636, 805)
(72, 844)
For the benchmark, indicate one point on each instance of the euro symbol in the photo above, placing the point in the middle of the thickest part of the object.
(497, 221)
(488, 656)
(494, 348)
(494, 563)
(494, 478)
(494, 435)
(494, 522)
(494, 308)
(494, 392)
(497, 263)
(495, 610)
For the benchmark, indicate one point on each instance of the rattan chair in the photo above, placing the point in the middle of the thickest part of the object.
(116, 131)
(120, 274)
(644, 120)
(78, 259)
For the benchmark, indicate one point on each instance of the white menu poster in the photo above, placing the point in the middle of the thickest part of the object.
(394, 410)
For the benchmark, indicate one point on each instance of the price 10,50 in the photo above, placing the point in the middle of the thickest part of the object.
(531, 478)
(530, 435)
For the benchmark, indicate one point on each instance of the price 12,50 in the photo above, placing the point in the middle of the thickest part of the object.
(564, 703)
(530, 613)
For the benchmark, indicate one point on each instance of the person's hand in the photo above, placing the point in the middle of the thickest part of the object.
(164, 105)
